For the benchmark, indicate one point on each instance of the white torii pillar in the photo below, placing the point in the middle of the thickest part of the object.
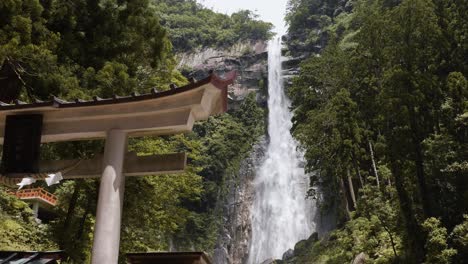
(110, 202)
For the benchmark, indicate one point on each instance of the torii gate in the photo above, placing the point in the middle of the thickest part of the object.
(115, 119)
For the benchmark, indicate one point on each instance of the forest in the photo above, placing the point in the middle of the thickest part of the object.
(381, 112)
(80, 49)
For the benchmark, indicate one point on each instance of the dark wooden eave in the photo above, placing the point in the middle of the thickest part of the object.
(50, 257)
(169, 258)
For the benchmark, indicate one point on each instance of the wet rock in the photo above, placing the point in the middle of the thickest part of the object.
(314, 237)
(221, 255)
(288, 254)
(293, 62)
(349, 6)
(269, 261)
(302, 246)
(361, 258)
(234, 241)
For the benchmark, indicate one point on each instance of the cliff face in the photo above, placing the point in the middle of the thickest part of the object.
(234, 239)
(249, 59)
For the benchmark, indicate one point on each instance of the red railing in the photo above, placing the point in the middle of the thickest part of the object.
(37, 193)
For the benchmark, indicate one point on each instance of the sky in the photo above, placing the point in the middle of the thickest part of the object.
(269, 10)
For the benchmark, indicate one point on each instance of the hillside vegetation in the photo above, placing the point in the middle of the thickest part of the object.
(382, 114)
(192, 26)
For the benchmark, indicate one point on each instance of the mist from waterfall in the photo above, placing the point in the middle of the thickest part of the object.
(281, 214)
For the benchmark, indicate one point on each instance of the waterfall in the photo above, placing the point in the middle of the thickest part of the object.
(281, 214)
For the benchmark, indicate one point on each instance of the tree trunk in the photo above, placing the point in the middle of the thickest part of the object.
(345, 198)
(80, 231)
(414, 240)
(392, 240)
(419, 164)
(70, 212)
(374, 167)
(358, 172)
(351, 188)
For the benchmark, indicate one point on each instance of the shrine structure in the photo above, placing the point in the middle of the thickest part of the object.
(38, 198)
(23, 126)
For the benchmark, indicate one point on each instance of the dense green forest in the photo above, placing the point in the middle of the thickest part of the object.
(80, 49)
(382, 114)
(192, 26)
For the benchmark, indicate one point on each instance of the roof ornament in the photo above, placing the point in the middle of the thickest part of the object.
(57, 101)
(60, 101)
(19, 102)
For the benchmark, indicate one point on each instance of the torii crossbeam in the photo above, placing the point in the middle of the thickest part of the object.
(115, 119)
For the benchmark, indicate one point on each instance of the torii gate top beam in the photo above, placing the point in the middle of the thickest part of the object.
(158, 113)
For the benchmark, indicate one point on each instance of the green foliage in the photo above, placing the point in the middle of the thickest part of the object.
(312, 22)
(459, 237)
(192, 26)
(386, 102)
(373, 229)
(76, 206)
(19, 230)
(436, 245)
(86, 48)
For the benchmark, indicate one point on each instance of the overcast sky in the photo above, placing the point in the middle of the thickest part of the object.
(269, 10)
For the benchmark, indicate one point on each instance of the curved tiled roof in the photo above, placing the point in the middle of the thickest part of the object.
(48, 257)
(56, 102)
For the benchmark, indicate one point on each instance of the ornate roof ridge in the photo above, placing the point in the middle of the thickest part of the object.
(56, 102)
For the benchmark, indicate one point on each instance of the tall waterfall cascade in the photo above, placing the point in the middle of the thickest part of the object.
(281, 214)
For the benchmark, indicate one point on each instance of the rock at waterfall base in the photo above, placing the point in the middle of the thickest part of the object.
(288, 254)
(361, 258)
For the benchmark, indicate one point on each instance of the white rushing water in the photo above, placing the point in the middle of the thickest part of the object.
(281, 214)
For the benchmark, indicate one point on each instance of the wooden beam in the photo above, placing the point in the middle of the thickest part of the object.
(134, 166)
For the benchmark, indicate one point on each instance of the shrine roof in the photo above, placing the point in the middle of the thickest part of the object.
(169, 258)
(55, 102)
(50, 257)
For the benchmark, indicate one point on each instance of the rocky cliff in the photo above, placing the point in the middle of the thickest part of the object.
(234, 240)
(249, 59)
